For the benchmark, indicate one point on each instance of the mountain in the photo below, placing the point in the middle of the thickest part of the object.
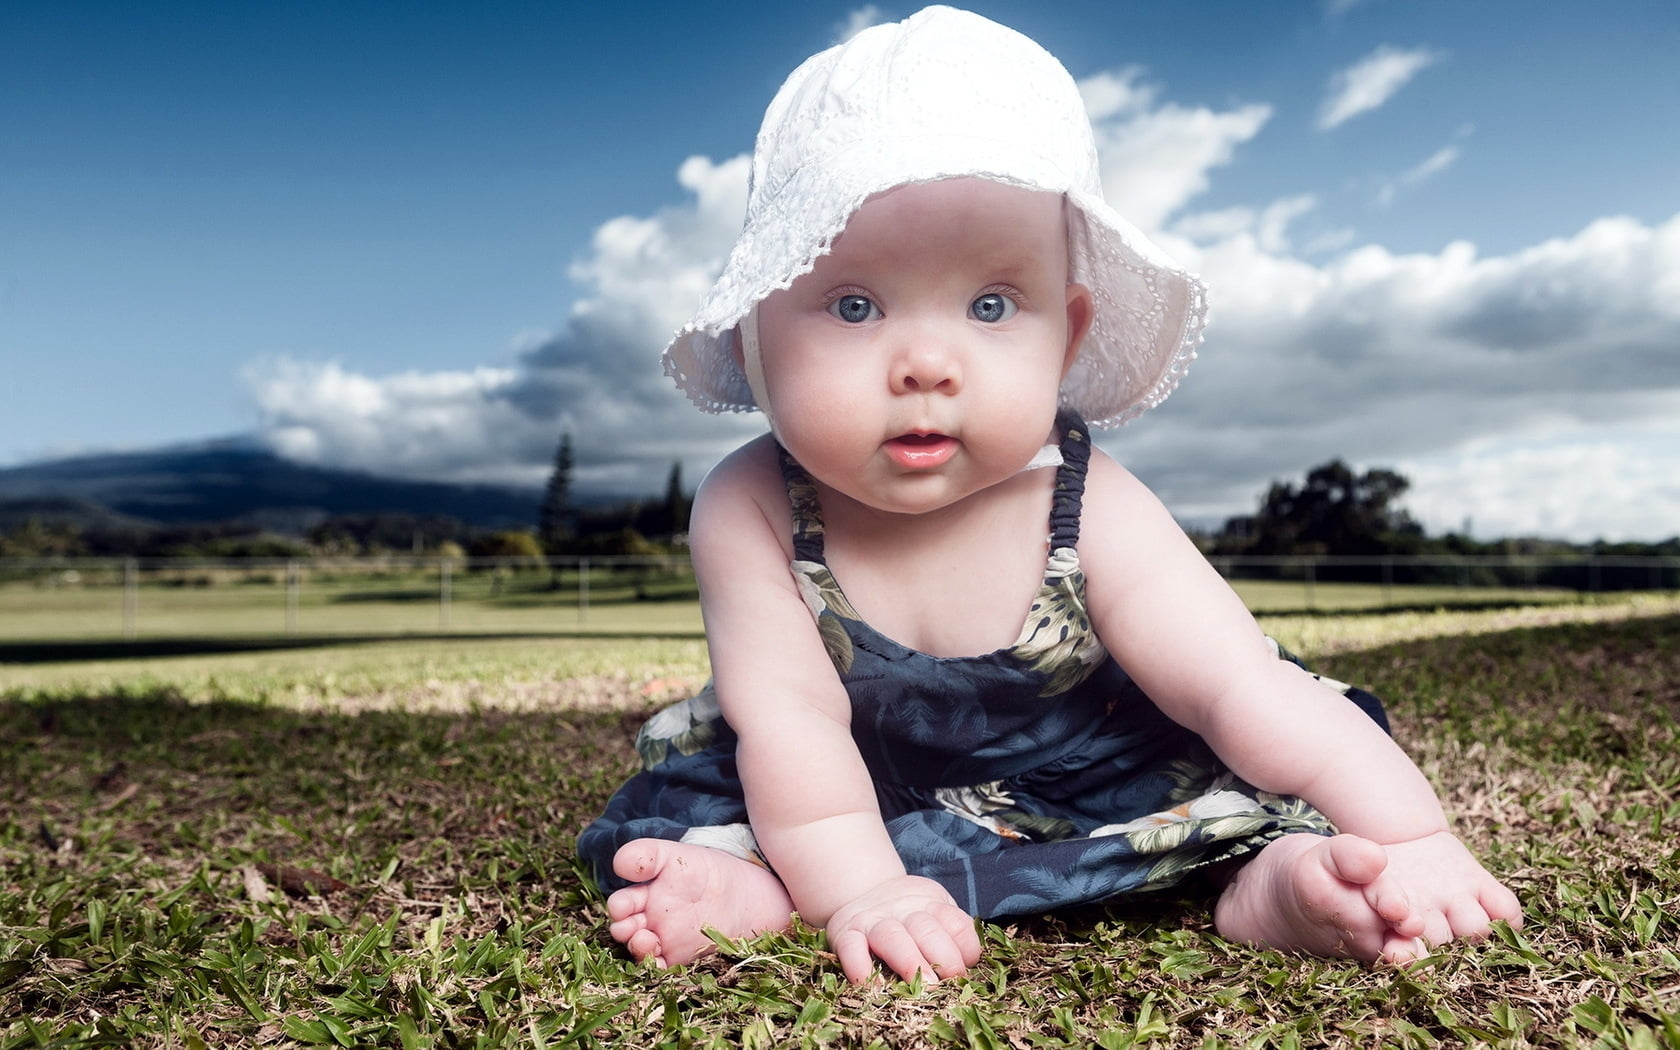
(234, 480)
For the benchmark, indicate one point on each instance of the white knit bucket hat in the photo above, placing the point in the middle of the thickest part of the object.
(943, 94)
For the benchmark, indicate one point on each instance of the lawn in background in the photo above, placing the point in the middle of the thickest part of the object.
(369, 844)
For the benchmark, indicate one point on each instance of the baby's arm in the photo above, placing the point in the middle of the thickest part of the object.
(1190, 644)
(809, 795)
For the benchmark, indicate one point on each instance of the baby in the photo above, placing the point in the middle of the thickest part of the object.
(1031, 692)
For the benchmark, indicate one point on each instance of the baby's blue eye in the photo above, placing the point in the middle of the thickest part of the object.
(854, 309)
(992, 308)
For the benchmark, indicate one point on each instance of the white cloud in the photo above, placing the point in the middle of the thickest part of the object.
(1383, 359)
(857, 21)
(1269, 226)
(1613, 483)
(1117, 93)
(1370, 82)
(437, 424)
(1157, 158)
(1433, 165)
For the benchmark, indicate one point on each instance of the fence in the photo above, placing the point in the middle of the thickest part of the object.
(1581, 574)
(130, 597)
(78, 597)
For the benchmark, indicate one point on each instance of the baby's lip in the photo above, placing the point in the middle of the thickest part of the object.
(918, 450)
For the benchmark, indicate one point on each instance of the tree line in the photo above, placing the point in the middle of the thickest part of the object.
(1334, 510)
(69, 528)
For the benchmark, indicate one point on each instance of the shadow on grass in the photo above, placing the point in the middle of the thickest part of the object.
(484, 799)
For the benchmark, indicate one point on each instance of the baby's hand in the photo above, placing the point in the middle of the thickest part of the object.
(911, 924)
(1434, 890)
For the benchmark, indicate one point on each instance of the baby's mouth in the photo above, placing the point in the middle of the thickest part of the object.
(921, 451)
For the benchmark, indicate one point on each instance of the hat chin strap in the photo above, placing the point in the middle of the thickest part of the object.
(752, 361)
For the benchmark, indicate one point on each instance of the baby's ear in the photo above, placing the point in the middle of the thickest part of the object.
(1081, 311)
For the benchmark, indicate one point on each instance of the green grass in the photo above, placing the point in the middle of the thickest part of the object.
(370, 845)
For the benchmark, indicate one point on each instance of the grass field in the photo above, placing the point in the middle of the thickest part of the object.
(285, 841)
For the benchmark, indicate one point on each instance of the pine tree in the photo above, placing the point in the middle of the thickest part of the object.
(554, 520)
(676, 504)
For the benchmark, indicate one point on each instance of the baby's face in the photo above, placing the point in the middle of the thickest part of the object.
(919, 361)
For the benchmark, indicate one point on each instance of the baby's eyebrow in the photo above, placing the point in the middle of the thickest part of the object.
(1016, 267)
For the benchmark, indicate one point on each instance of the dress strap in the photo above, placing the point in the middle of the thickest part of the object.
(1070, 481)
(807, 510)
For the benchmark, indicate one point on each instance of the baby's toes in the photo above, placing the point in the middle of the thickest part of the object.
(1402, 950)
(1394, 906)
(1469, 921)
(644, 944)
(627, 902)
(1500, 903)
(626, 928)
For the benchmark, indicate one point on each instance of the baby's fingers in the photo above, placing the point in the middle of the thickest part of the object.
(851, 947)
(944, 954)
(894, 943)
(960, 925)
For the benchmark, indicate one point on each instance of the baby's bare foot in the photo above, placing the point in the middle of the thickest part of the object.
(681, 891)
(1320, 896)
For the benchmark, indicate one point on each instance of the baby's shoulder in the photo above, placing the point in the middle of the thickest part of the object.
(741, 496)
(1120, 517)
(1110, 487)
(752, 469)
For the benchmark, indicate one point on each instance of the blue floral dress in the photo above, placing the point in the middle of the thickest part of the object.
(1029, 779)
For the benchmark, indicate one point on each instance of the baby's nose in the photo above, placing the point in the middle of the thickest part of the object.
(925, 366)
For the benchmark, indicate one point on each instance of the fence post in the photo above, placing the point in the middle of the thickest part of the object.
(444, 594)
(583, 590)
(294, 574)
(131, 596)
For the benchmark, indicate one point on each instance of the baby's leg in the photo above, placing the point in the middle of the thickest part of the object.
(681, 891)
(1320, 896)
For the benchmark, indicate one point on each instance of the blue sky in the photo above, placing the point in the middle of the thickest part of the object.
(424, 238)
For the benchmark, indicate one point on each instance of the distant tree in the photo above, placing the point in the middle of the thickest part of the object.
(384, 531)
(510, 544)
(554, 529)
(1335, 511)
(676, 503)
(621, 542)
(38, 539)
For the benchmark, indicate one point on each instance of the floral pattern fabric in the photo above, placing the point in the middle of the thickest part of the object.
(1029, 779)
